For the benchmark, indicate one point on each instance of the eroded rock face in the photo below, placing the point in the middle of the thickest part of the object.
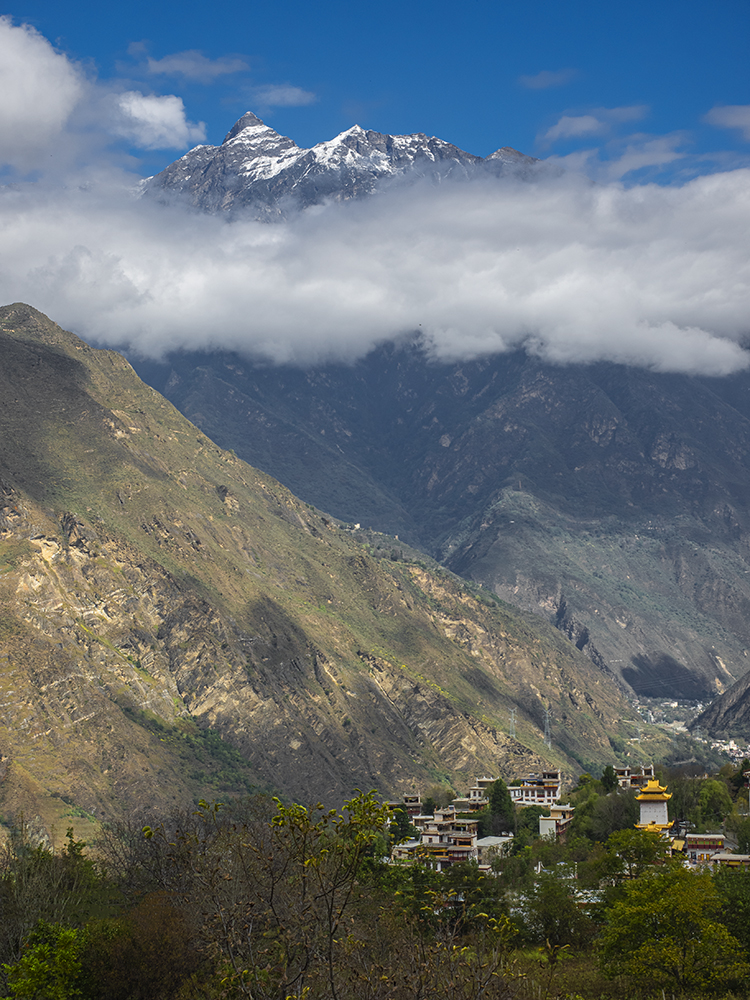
(729, 715)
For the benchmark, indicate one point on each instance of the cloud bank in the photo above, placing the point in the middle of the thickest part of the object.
(570, 270)
(40, 91)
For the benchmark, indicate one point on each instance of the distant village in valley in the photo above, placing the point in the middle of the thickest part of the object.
(450, 834)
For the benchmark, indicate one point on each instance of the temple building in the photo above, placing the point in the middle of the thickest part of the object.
(653, 800)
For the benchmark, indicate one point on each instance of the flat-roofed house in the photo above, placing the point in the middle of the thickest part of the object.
(537, 789)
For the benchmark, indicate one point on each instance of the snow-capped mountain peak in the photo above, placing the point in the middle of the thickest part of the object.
(258, 170)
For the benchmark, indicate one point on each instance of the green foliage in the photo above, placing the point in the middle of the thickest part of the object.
(553, 916)
(267, 900)
(704, 802)
(666, 934)
(148, 953)
(500, 813)
(598, 815)
(628, 855)
(733, 888)
(50, 966)
(38, 885)
(609, 779)
(743, 835)
(437, 797)
(401, 829)
(715, 802)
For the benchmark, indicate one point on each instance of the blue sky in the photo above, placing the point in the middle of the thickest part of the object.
(636, 251)
(548, 78)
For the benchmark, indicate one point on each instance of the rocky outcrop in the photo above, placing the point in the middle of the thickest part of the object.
(728, 715)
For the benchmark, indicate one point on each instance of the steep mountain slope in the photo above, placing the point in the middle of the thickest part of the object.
(613, 501)
(174, 622)
(255, 169)
(728, 715)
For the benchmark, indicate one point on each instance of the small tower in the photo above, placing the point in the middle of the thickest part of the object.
(653, 799)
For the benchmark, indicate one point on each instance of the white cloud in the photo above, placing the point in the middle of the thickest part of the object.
(574, 125)
(52, 114)
(570, 270)
(596, 121)
(282, 95)
(558, 265)
(645, 151)
(152, 122)
(193, 65)
(731, 116)
(547, 78)
(40, 90)
(628, 113)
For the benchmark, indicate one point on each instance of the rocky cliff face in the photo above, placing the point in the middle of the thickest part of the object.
(729, 715)
(612, 501)
(256, 170)
(175, 623)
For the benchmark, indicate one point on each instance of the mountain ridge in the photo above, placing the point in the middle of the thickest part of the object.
(257, 170)
(612, 501)
(176, 623)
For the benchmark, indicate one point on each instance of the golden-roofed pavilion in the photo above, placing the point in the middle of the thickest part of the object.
(653, 799)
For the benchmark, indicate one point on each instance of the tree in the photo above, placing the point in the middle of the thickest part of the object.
(145, 955)
(628, 854)
(597, 816)
(734, 891)
(437, 797)
(401, 829)
(500, 813)
(554, 917)
(743, 835)
(715, 802)
(609, 779)
(501, 805)
(50, 966)
(666, 933)
(38, 884)
(275, 895)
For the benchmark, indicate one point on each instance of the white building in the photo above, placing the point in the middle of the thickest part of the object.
(537, 789)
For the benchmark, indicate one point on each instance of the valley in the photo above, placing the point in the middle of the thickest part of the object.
(609, 501)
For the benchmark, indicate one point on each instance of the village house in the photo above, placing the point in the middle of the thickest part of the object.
(477, 799)
(634, 777)
(537, 789)
(700, 848)
(731, 860)
(489, 848)
(447, 839)
(557, 823)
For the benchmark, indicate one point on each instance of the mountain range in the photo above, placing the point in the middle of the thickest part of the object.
(610, 500)
(461, 555)
(259, 172)
(175, 623)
